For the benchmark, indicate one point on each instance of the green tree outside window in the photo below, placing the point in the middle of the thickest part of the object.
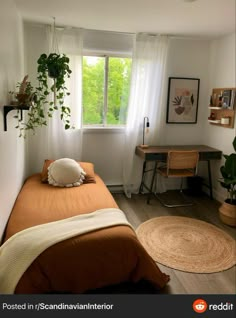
(106, 84)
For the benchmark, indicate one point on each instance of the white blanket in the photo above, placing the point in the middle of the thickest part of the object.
(20, 250)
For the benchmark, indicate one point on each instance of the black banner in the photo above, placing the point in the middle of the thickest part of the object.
(102, 306)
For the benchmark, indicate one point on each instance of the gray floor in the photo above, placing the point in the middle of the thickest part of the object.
(138, 211)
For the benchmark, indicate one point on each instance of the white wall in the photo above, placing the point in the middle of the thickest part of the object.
(221, 74)
(188, 58)
(105, 149)
(12, 148)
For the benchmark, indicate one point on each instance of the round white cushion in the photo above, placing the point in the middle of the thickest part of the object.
(65, 172)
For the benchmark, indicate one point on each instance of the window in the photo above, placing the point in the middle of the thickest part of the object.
(106, 83)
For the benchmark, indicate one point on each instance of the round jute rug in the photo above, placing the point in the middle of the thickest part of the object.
(187, 244)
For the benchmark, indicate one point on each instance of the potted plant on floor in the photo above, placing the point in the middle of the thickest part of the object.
(227, 210)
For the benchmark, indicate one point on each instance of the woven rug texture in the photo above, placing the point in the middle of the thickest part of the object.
(187, 244)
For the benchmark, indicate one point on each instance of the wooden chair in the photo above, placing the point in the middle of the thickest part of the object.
(180, 164)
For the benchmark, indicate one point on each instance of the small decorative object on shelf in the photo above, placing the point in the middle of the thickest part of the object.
(24, 94)
(214, 99)
(21, 99)
(220, 98)
(233, 100)
(226, 98)
(212, 116)
(211, 101)
(225, 120)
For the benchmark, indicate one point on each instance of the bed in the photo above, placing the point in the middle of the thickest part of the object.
(90, 261)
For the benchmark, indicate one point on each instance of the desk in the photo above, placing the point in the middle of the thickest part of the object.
(159, 153)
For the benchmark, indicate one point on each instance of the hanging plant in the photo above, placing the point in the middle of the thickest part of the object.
(56, 67)
(52, 71)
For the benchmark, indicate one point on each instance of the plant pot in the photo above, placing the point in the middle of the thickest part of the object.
(54, 71)
(22, 99)
(227, 213)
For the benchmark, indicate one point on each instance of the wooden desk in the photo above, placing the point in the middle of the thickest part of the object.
(159, 153)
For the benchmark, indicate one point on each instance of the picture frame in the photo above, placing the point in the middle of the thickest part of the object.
(182, 100)
(226, 98)
(232, 104)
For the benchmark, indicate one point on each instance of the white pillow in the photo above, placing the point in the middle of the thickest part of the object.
(65, 172)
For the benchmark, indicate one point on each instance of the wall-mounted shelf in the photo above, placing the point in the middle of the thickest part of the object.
(223, 105)
(8, 108)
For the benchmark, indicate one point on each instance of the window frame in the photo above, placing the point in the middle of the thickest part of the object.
(106, 55)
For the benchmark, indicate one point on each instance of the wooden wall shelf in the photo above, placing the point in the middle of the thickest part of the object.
(218, 110)
(8, 108)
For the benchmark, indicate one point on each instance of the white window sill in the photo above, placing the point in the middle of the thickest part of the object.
(92, 129)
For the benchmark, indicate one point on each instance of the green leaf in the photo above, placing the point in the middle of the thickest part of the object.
(229, 182)
(230, 165)
(234, 143)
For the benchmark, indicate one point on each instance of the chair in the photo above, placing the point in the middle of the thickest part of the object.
(180, 164)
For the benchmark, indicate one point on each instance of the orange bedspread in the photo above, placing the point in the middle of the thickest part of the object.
(93, 260)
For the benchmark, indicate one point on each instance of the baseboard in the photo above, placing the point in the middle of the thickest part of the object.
(218, 196)
(115, 188)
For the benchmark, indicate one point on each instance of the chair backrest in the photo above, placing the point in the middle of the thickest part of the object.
(181, 160)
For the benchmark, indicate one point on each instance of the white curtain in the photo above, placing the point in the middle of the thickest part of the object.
(68, 143)
(53, 141)
(146, 99)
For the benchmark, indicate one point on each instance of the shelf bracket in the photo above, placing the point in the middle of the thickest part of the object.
(7, 109)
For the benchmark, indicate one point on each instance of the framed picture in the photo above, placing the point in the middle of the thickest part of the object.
(233, 100)
(226, 98)
(182, 101)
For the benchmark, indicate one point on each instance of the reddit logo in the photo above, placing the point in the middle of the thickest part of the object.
(199, 306)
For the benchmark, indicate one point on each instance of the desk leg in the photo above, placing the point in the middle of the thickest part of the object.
(152, 182)
(209, 178)
(143, 174)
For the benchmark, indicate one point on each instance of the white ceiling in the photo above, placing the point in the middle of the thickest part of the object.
(204, 18)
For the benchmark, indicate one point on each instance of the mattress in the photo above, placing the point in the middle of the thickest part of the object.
(85, 262)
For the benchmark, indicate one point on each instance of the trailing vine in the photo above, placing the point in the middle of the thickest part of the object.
(52, 72)
(56, 67)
